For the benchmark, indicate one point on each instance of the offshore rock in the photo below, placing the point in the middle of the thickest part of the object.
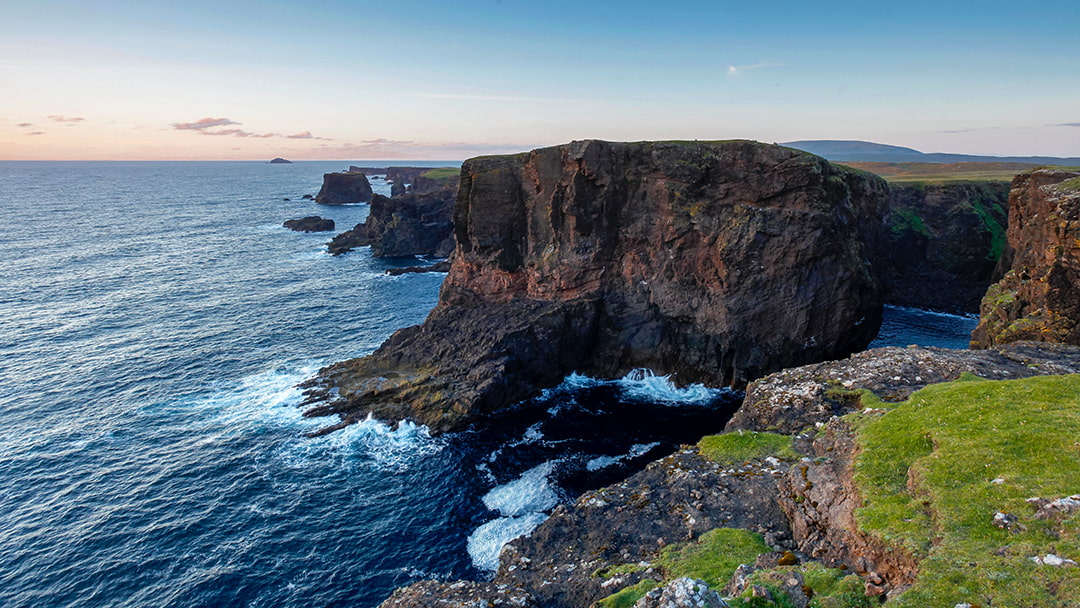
(311, 223)
(1039, 297)
(403, 226)
(791, 400)
(715, 262)
(344, 188)
(949, 236)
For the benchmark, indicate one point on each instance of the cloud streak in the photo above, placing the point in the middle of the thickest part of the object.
(209, 126)
(36, 133)
(739, 70)
(25, 124)
(67, 119)
(1068, 124)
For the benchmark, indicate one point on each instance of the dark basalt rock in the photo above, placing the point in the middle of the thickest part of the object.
(949, 236)
(280, 161)
(716, 262)
(1039, 297)
(403, 226)
(311, 223)
(344, 188)
(443, 266)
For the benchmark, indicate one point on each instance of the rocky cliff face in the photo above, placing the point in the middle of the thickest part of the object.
(949, 236)
(1039, 297)
(343, 188)
(405, 225)
(717, 263)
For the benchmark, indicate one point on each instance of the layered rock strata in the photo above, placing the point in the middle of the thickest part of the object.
(1039, 297)
(344, 188)
(946, 235)
(715, 262)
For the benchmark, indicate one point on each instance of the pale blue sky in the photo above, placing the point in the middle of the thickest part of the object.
(453, 79)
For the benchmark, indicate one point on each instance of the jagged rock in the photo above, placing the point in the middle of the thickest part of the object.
(793, 399)
(311, 223)
(714, 262)
(404, 226)
(344, 188)
(1039, 297)
(682, 593)
(459, 594)
(675, 499)
(946, 235)
(443, 266)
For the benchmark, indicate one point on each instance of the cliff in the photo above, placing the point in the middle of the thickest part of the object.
(827, 493)
(344, 188)
(715, 262)
(404, 225)
(1039, 296)
(948, 236)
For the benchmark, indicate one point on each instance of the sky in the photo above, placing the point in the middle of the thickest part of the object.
(447, 80)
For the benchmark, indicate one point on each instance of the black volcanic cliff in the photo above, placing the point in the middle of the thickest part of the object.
(408, 224)
(344, 188)
(715, 262)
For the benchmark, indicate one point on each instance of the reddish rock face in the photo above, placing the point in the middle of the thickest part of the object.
(1039, 297)
(717, 263)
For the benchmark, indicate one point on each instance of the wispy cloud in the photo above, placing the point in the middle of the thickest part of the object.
(971, 130)
(25, 124)
(306, 135)
(739, 70)
(209, 126)
(1068, 124)
(203, 123)
(36, 133)
(67, 119)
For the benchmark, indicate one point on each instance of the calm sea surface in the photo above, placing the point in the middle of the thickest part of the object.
(154, 318)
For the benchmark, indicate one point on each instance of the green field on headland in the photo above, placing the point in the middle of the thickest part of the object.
(941, 173)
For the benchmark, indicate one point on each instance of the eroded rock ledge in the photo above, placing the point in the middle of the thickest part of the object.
(715, 262)
(804, 506)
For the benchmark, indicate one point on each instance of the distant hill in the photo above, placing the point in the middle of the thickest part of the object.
(866, 151)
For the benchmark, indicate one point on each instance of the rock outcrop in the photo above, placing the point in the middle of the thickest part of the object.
(715, 262)
(311, 223)
(612, 538)
(1039, 297)
(344, 188)
(280, 161)
(406, 225)
(948, 236)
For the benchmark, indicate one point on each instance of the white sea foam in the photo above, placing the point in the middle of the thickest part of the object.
(368, 443)
(487, 541)
(636, 450)
(644, 385)
(529, 493)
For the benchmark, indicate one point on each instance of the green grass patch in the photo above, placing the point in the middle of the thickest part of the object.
(994, 226)
(935, 470)
(714, 557)
(629, 596)
(1069, 185)
(906, 220)
(740, 446)
(943, 173)
(442, 173)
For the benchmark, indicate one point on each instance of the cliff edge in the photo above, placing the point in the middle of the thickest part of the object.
(715, 262)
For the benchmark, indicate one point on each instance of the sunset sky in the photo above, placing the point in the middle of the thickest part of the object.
(443, 79)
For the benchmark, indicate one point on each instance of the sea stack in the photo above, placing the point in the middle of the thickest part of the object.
(344, 188)
(715, 262)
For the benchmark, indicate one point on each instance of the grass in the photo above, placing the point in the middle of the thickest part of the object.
(741, 446)
(629, 596)
(940, 173)
(935, 470)
(906, 220)
(714, 557)
(442, 173)
(1069, 185)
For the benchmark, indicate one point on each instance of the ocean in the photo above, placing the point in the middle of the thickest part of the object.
(154, 320)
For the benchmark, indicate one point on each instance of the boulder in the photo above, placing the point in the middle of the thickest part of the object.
(1038, 298)
(344, 188)
(715, 262)
(311, 223)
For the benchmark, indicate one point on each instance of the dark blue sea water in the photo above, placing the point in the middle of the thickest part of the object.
(154, 319)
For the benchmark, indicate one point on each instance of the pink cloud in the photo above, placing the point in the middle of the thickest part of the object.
(36, 133)
(203, 123)
(25, 124)
(71, 119)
